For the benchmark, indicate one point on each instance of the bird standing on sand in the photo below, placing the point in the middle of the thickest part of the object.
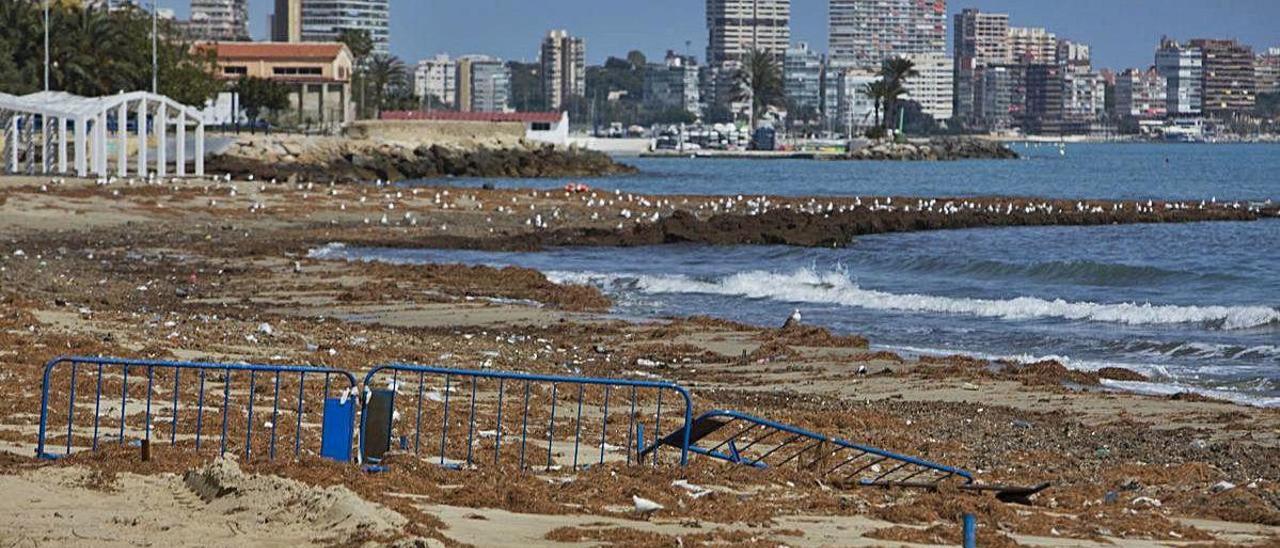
(645, 507)
(793, 319)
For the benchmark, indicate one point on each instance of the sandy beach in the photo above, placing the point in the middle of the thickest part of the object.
(193, 270)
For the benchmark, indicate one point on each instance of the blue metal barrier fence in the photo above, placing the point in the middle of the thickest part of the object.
(457, 415)
(601, 420)
(167, 402)
(753, 441)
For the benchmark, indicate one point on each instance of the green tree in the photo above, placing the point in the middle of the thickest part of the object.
(916, 121)
(637, 59)
(387, 76)
(759, 81)
(619, 79)
(258, 95)
(667, 116)
(360, 42)
(526, 87)
(895, 73)
(186, 76)
(94, 52)
(434, 102)
(401, 98)
(1268, 105)
(90, 57)
(11, 80)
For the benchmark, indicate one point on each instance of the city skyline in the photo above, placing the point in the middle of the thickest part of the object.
(1123, 34)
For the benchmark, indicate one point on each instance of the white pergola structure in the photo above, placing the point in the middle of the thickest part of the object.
(40, 127)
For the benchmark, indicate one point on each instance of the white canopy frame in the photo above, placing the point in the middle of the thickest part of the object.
(40, 127)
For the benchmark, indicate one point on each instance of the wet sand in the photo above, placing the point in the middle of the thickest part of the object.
(192, 273)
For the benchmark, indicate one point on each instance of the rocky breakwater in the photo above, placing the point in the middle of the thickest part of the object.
(938, 149)
(324, 159)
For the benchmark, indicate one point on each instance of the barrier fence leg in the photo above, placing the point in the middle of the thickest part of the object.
(970, 531)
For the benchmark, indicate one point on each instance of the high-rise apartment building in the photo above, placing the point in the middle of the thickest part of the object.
(1061, 100)
(219, 20)
(324, 20)
(933, 86)
(563, 68)
(1033, 45)
(1141, 94)
(1000, 95)
(983, 37)
(802, 78)
(980, 39)
(1229, 86)
(735, 27)
(718, 87)
(1183, 71)
(673, 85)
(864, 33)
(1074, 55)
(1266, 71)
(483, 84)
(286, 21)
(435, 80)
(1083, 95)
(1044, 102)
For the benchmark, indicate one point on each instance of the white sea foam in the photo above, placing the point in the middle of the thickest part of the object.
(810, 286)
(1166, 386)
(1150, 369)
(329, 251)
(1169, 389)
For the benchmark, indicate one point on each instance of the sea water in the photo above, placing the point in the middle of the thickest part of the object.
(1194, 306)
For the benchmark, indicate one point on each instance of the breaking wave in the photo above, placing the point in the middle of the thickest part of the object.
(1198, 350)
(811, 286)
(1073, 272)
(1169, 389)
(1164, 381)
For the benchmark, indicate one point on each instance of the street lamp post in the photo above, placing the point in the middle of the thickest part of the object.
(46, 44)
(155, 79)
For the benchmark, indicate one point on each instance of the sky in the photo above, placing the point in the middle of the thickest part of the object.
(1122, 33)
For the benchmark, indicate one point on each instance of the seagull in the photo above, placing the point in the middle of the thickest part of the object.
(644, 506)
(792, 320)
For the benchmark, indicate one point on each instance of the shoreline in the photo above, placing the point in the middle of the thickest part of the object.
(194, 272)
(1138, 378)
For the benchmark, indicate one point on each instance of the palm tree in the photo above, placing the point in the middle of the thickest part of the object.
(95, 52)
(895, 73)
(18, 67)
(760, 81)
(360, 42)
(874, 91)
(85, 61)
(385, 74)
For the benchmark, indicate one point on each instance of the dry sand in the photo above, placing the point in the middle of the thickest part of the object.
(216, 505)
(153, 272)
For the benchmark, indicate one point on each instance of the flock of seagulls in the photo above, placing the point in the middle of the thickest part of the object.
(387, 205)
